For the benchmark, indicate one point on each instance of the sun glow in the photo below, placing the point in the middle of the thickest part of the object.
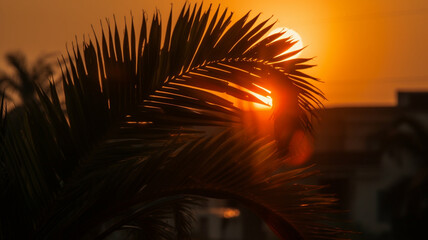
(294, 36)
(265, 99)
(298, 45)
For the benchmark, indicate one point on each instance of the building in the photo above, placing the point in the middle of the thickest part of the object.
(375, 160)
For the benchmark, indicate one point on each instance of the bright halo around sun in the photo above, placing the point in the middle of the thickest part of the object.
(267, 100)
(290, 33)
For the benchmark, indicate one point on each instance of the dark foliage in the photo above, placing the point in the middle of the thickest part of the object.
(128, 150)
(25, 79)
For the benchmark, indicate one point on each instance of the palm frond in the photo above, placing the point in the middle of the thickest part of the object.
(119, 151)
(229, 165)
(199, 57)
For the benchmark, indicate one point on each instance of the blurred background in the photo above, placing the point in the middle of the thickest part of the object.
(372, 57)
(373, 159)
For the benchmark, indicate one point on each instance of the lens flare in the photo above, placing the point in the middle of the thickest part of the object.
(225, 212)
(301, 148)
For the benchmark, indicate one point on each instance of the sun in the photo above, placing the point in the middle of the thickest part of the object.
(267, 99)
(294, 36)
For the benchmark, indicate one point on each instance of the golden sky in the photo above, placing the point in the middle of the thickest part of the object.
(365, 50)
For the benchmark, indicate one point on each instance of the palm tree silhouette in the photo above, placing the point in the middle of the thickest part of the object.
(129, 150)
(25, 78)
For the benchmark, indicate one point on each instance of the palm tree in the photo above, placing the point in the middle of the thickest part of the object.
(25, 78)
(128, 156)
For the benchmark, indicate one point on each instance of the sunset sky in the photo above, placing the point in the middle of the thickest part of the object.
(364, 50)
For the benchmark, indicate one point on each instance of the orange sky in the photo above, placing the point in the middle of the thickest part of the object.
(365, 50)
